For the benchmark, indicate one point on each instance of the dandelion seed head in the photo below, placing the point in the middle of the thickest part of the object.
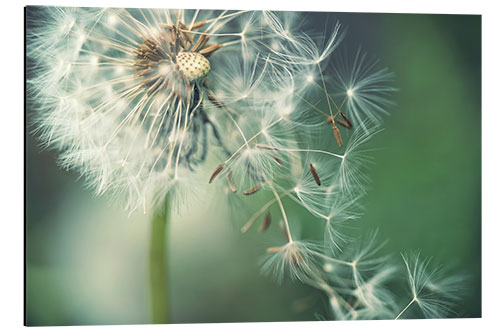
(367, 86)
(294, 259)
(432, 290)
(122, 93)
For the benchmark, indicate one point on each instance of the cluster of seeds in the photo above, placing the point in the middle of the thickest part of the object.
(154, 65)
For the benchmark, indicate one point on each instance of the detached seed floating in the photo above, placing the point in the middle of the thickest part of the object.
(266, 222)
(216, 172)
(336, 132)
(252, 190)
(231, 181)
(348, 121)
(314, 174)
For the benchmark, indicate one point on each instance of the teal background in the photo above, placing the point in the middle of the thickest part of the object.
(86, 261)
(426, 190)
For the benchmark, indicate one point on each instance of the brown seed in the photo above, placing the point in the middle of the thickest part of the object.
(278, 161)
(276, 157)
(231, 182)
(143, 72)
(266, 222)
(315, 174)
(348, 122)
(186, 35)
(198, 25)
(209, 49)
(343, 123)
(252, 190)
(273, 249)
(216, 172)
(214, 100)
(336, 132)
(200, 43)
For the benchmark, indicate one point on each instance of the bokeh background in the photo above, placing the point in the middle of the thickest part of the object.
(86, 260)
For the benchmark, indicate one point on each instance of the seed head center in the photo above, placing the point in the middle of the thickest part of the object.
(193, 65)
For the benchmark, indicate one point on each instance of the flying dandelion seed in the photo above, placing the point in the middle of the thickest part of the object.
(141, 102)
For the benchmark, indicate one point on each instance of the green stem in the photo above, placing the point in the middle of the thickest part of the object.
(158, 275)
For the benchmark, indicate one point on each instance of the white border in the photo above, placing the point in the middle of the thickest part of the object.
(380, 6)
(11, 131)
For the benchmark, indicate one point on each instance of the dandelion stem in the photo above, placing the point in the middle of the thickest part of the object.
(285, 219)
(339, 109)
(406, 308)
(323, 87)
(249, 39)
(325, 90)
(261, 211)
(309, 151)
(256, 215)
(336, 261)
(311, 209)
(312, 106)
(158, 273)
(195, 16)
(252, 138)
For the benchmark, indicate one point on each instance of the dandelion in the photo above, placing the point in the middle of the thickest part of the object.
(364, 86)
(294, 259)
(432, 291)
(122, 94)
(148, 104)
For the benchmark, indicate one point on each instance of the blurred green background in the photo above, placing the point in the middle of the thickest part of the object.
(87, 261)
